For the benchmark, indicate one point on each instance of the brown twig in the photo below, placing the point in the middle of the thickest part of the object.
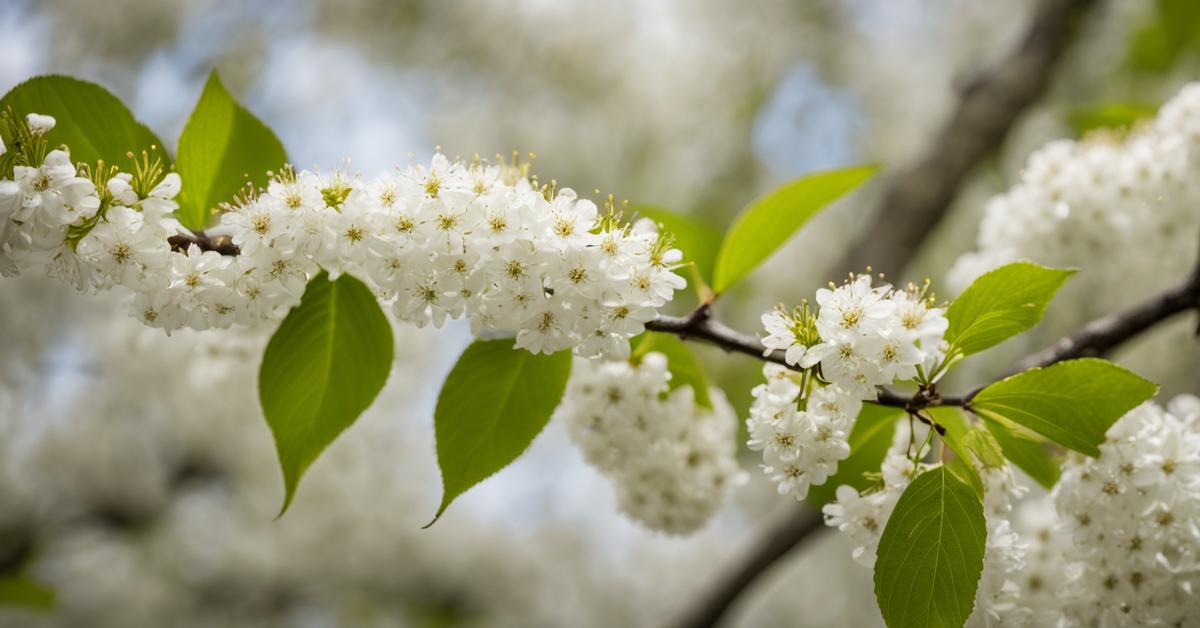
(1104, 334)
(221, 244)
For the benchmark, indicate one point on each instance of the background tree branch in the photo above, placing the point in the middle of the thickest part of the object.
(918, 196)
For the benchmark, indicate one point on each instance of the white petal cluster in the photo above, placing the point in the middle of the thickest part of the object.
(1134, 516)
(998, 598)
(445, 240)
(863, 515)
(863, 336)
(998, 601)
(874, 335)
(1123, 208)
(800, 447)
(1043, 574)
(869, 335)
(670, 459)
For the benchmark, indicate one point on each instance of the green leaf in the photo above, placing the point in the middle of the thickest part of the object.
(769, 221)
(869, 442)
(958, 436)
(223, 146)
(1025, 449)
(1001, 304)
(321, 370)
(20, 591)
(1157, 46)
(1073, 402)
(1109, 116)
(969, 440)
(966, 473)
(492, 405)
(685, 368)
(90, 120)
(930, 556)
(697, 239)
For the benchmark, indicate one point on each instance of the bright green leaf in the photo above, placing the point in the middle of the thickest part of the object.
(930, 556)
(1025, 449)
(969, 441)
(869, 442)
(1110, 116)
(957, 434)
(223, 146)
(685, 368)
(321, 370)
(90, 120)
(494, 402)
(1073, 402)
(1156, 46)
(769, 221)
(966, 473)
(697, 239)
(20, 591)
(1001, 304)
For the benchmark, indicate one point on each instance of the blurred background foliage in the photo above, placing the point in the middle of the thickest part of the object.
(136, 477)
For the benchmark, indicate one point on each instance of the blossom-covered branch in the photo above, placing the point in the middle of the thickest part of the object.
(1095, 338)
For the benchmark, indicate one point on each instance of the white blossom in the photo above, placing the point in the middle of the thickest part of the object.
(671, 460)
(441, 241)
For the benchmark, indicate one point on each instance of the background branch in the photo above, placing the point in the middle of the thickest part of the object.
(792, 526)
(989, 105)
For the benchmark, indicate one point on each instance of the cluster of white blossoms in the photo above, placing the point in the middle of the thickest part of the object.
(1133, 517)
(998, 599)
(801, 447)
(1123, 208)
(447, 240)
(863, 515)
(863, 336)
(671, 459)
(1124, 548)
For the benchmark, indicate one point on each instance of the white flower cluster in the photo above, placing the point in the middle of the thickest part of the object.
(800, 447)
(866, 335)
(1123, 209)
(862, 516)
(998, 600)
(446, 240)
(863, 336)
(1133, 515)
(671, 459)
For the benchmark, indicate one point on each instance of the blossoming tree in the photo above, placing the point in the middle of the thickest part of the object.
(566, 298)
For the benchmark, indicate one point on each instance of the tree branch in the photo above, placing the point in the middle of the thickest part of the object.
(786, 532)
(989, 106)
(1104, 334)
(222, 244)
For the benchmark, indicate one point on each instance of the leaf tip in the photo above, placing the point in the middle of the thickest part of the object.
(438, 515)
(289, 493)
